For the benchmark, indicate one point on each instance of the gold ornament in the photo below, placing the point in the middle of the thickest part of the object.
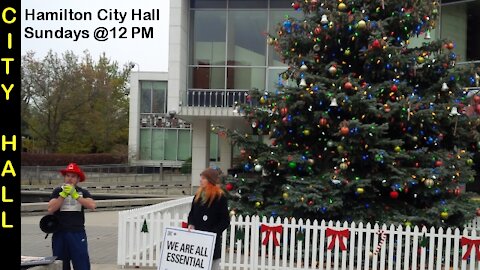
(343, 165)
(469, 162)
(429, 183)
(398, 149)
(258, 204)
(444, 215)
(342, 6)
(360, 190)
(340, 148)
(361, 24)
(285, 195)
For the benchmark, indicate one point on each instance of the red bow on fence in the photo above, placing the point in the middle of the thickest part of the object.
(184, 224)
(340, 233)
(269, 229)
(471, 243)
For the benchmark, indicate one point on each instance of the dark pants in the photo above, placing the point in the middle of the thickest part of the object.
(71, 246)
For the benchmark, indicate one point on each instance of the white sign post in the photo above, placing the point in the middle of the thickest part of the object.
(187, 250)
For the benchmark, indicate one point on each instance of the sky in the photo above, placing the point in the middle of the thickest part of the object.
(149, 53)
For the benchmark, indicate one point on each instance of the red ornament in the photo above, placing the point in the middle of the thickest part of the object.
(323, 122)
(283, 111)
(344, 131)
(394, 88)
(347, 85)
(229, 186)
(317, 30)
(394, 194)
(438, 163)
(450, 45)
(476, 99)
(296, 5)
(376, 44)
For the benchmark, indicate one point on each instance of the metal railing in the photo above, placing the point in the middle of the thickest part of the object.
(215, 97)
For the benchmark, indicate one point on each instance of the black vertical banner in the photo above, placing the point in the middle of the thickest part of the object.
(10, 134)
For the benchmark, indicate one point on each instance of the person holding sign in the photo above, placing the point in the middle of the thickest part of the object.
(209, 210)
(67, 203)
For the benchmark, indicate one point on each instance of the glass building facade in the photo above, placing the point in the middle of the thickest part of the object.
(165, 137)
(460, 21)
(162, 137)
(228, 48)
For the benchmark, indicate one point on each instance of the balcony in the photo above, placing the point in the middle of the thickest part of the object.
(211, 102)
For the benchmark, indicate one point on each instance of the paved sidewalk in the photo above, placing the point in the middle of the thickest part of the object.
(102, 230)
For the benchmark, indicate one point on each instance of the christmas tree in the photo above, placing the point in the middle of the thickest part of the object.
(362, 126)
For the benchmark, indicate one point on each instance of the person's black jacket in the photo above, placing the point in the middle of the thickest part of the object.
(213, 218)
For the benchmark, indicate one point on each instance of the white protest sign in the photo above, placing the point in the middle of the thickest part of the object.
(187, 250)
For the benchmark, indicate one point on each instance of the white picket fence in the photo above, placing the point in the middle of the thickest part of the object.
(303, 244)
(136, 248)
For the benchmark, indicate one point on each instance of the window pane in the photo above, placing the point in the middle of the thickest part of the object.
(274, 79)
(459, 22)
(207, 78)
(171, 144)
(281, 4)
(184, 144)
(146, 97)
(454, 27)
(277, 17)
(246, 42)
(145, 144)
(247, 4)
(158, 102)
(208, 3)
(208, 37)
(214, 147)
(158, 139)
(245, 78)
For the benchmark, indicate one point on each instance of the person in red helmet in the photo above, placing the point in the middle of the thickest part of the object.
(67, 203)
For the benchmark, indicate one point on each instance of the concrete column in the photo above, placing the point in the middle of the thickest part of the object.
(134, 119)
(200, 149)
(225, 154)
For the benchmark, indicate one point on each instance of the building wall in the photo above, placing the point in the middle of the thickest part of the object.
(134, 113)
(178, 52)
